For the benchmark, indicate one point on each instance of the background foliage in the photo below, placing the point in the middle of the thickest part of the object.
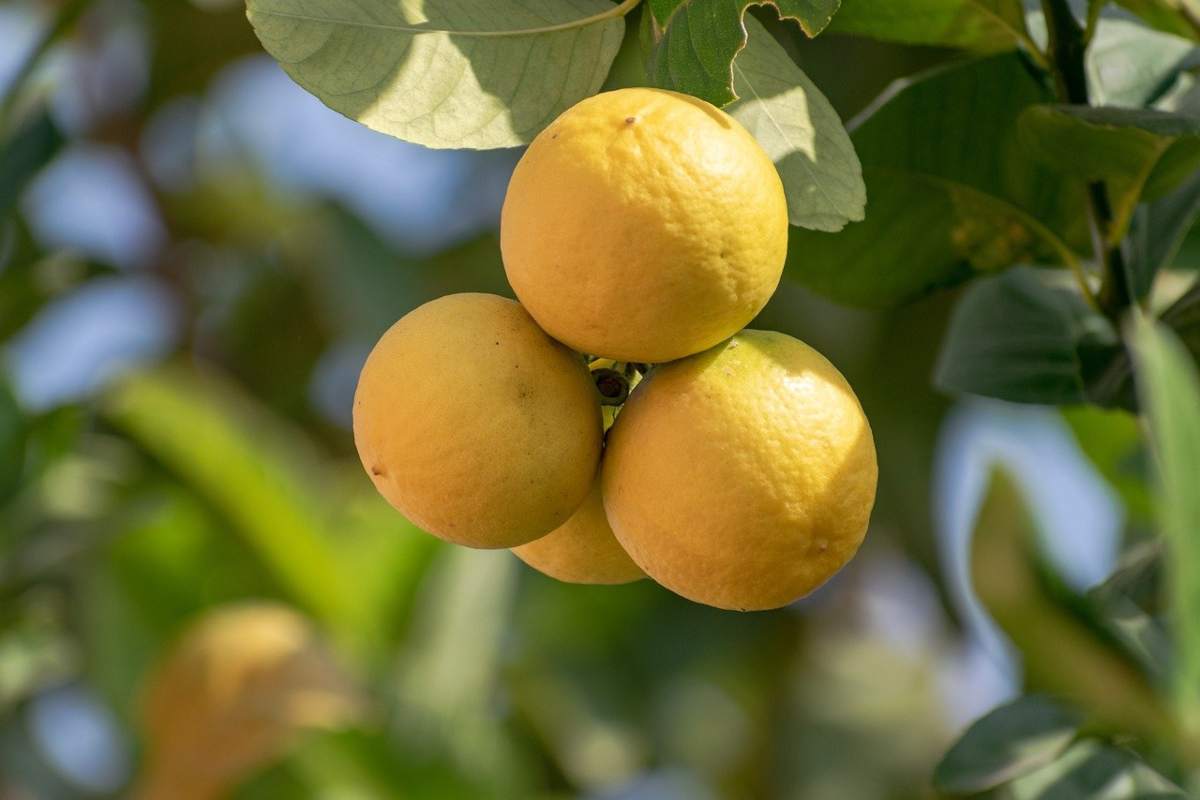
(993, 205)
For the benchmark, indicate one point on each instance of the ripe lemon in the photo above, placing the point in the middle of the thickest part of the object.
(742, 477)
(644, 225)
(583, 550)
(475, 424)
(230, 696)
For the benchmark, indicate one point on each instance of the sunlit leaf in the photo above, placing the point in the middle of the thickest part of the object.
(801, 132)
(478, 74)
(695, 41)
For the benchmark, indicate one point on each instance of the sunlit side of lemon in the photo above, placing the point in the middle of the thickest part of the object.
(644, 225)
(742, 477)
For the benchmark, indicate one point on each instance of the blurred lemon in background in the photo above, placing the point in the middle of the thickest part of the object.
(230, 696)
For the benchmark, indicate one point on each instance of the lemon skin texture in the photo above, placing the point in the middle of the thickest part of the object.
(742, 477)
(644, 225)
(583, 549)
(475, 424)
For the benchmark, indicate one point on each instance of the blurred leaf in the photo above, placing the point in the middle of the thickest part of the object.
(480, 74)
(1136, 152)
(1158, 230)
(1065, 651)
(28, 149)
(1170, 390)
(12, 442)
(801, 132)
(1112, 440)
(1180, 17)
(1130, 65)
(1130, 604)
(1094, 771)
(949, 193)
(315, 538)
(696, 41)
(1008, 742)
(983, 25)
(1025, 337)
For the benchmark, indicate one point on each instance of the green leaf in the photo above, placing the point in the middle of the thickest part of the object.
(1027, 337)
(949, 193)
(1008, 742)
(12, 442)
(1130, 65)
(474, 73)
(983, 25)
(1094, 771)
(23, 154)
(1170, 391)
(1157, 232)
(1064, 648)
(340, 552)
(1136, 152)
(1128, 602)
(801, 132)
(1180, 17)
(695, 41)
(1112, 440)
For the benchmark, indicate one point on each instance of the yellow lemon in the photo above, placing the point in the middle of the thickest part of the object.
(742, 477)
(475, 424)
(644, 225)
(583, 550)
(231, 694)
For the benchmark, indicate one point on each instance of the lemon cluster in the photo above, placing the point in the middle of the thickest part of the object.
(646, 229)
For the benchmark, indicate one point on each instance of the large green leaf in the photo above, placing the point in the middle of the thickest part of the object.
(1180, 17)
(949, 192)
(982, 25)
(1008, 742)
(695, 41)
(801, 132)
(445, 73)
(1170, 389)
(1028, 337)
(1157, 232)
(1136, 152)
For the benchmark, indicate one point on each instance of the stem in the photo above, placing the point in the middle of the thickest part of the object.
(1068, 48)
(67, 14)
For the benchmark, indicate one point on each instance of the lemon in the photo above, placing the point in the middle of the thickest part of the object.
(231, 694)
(475, 424)
(742, 477)
(583, 550)
(644, 225)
